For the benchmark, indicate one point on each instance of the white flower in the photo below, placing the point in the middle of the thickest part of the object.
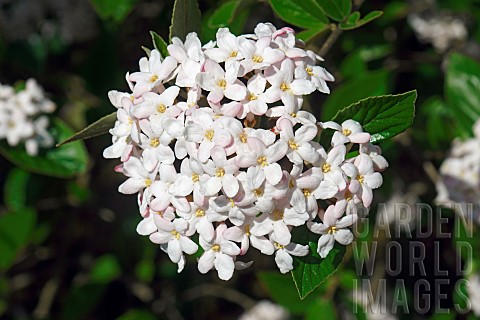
(221, 174)
(171, 237)
(333, 228)
(219, 253)
(284, 253)
(349, 131)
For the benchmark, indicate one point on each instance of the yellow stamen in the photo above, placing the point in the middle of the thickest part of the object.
(258, 192)
(222, 84)
(257, 59)
(209, 134)
(161, 108)
(262, 161)
(293, 115)
(251, 97)
(332, 230)
(220, 172)
(243, 137)
(326, 167)
(232, 203)
(306, 193)
(346, 132)
(277, 215)
(233, 54)
(278, 245)
(216, 248)
(195, 177)
(153, 78)
(360, 178)
(292, 144)
(148, 182)
(199, 213)
(309, 71)
(247, 229)
(175, 234)
(291, 184)
(154, 142)
(284, 87)
(130, 121)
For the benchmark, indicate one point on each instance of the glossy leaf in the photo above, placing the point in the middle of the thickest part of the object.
(186, 18)
(462, 88)
(223, 15)
(282, 290)
(64, 161)
(362, 86)
(99, 127)
(323, 307)
(383, 117)
(305, 14)
(336, 9)
(116, 10)
(311, 271)
(159, 44)
(15, 193)
(16, 228)
(354, 20)
(310, 35)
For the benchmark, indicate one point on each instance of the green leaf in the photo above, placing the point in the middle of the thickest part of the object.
(116, 10)
(383, 117)
(311, 271)
(223, 15)
(145, 270)
(336, 9)
(354, 22)
(105, 269)
(323, 307)
(363, 86)
(81, 300)
(311, 34)
(62, 162)
(306, 14)
(186, 18)
(462, 90)
(99, 127)
(15, 194)
(159, 44)
(282, 290)
(16, 228)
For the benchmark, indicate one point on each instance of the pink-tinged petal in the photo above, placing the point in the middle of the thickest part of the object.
(281, 232)
(326, 190)
(255, 177)
(194, 132)
(344, 236)
(219, 156)
(160, 237)
(346, 221)
(215, 96)
(272, 95)
(205, 263)
(284, 261)
(262, 244)
(331, 125)
(373, 180)
(262, 228)
(234, 234)
(214, 69)
(361, 137)
(236, 91)
(236, 216)
(294, 218)
(217, 54)
(132, 185)
(211, 187)
(160, 203)
(165, 154)
(325, 244)
(206, 81)
(204, 150)
(364, 164)
(318, 228)
(182, 187)
(273, 173)
(174, 250)
(180, 203)
(188, 246)
(224, 265)
(230, 248)
(367, 196)
(339, 139)
(246, 160)
(298, 200)
(230, 185)
(337, 155)
(297, 250)
(302, 87)
(276, 151)
(205, 229)
(273, 55)
(258, 107)
(222, 137)
(146, 227)
(173, 127)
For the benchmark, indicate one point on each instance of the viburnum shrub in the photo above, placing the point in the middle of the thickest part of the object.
(214, 142)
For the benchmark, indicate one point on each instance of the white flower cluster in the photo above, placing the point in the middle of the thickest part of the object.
(22, 117)
(460, 176)
(214, 141)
